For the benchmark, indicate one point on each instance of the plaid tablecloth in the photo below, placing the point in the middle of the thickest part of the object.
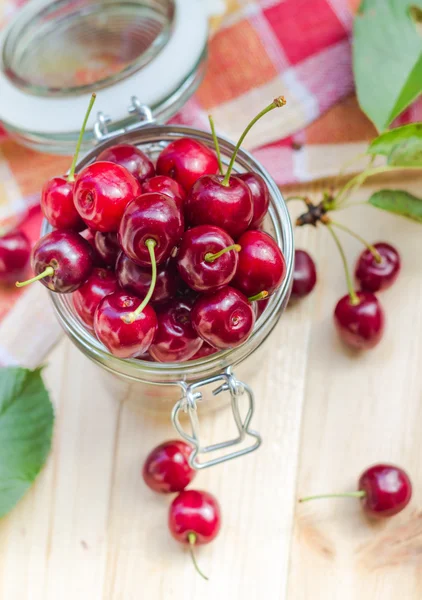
(258, 50)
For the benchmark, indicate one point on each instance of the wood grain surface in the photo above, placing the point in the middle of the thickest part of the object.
(90, 530)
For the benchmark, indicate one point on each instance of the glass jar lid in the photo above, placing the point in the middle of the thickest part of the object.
(53, 55)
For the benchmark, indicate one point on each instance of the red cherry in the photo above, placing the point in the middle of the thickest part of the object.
(15, 250)
(261, 264)
(107, 246)
(186, 160)
(194, 519)
(114, 327)
(304, 275)
(207, 258)
(224, 319)
(57, 204)
(166, 468)
(155, 217)
(204, 350)
(212, 203)
(261, 306)
(167, 186)
(89, 236)
(376, 275)
(99, 284)
(137, 280)
(387, 490)
(360, 325)
(175, 340)
(384, 490)
(260, 197)
(62, 261)
(102, 192)
(134, 160)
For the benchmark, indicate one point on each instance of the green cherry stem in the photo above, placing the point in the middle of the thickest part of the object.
(48, 272)
(277, 103)
(71, 176)
(209, 257)
(192, 542)
(357, 494)
(131, 317)
(370, 247)
(353, 296)
(216, 144)
(258, 297)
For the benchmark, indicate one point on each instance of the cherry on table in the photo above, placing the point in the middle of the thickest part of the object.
(260, 197)
(194, 519)
(359, 320)
(261, 264)
(378, 268)
(57, 202)
(304, 275)
(122, 333)
(384, 491)
(167, 186)
(62, 261)
(131, 158)
(224, 319)
(102, 192)
(186, 160)
(207, 258)
(151, 216)
(99, 284)
(166, 468)
(137, 280)
(175, 340)
(15, 251)
(107, 246)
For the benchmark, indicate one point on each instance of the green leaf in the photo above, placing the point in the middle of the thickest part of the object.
(26, 424)
(398, 202)
(387, 57)
(402, 146)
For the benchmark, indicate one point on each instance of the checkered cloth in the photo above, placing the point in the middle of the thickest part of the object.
(258, 50)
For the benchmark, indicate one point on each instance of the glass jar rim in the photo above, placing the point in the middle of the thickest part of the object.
(170, 373)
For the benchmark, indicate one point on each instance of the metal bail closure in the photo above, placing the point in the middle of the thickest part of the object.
(187, 404)
(103, 132)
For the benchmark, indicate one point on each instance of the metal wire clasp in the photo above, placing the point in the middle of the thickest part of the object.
(187, 404)
(103, 132)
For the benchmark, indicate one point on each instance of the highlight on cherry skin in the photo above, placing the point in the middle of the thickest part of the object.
(166, 468)
(194, 519)
(383, 490)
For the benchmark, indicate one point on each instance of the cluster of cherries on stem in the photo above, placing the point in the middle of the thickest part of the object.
(165, 262)
(358, 316)
(194, 516)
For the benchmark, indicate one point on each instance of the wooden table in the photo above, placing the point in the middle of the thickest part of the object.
(90, 530)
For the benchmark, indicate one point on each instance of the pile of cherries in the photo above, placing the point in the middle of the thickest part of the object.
(358, 316)
(194, 516)
(166, 262)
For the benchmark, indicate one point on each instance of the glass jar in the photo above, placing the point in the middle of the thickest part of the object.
(161, 386)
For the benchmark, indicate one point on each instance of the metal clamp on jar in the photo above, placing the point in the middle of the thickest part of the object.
(140, 92)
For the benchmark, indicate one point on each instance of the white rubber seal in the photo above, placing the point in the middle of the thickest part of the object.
(154, 82)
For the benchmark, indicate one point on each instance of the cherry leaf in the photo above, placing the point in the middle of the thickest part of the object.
(26, 424)
(387, 57)
(398, 202)
(402, 146)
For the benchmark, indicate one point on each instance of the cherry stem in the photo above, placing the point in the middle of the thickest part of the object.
(192, 542)
(210, 257)
(370, 247)
(71, 176)
(277, 103)
(257, 297)
(353, 296)
(357, 494)
(131, 317)
(46, 273)
(216, 144)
